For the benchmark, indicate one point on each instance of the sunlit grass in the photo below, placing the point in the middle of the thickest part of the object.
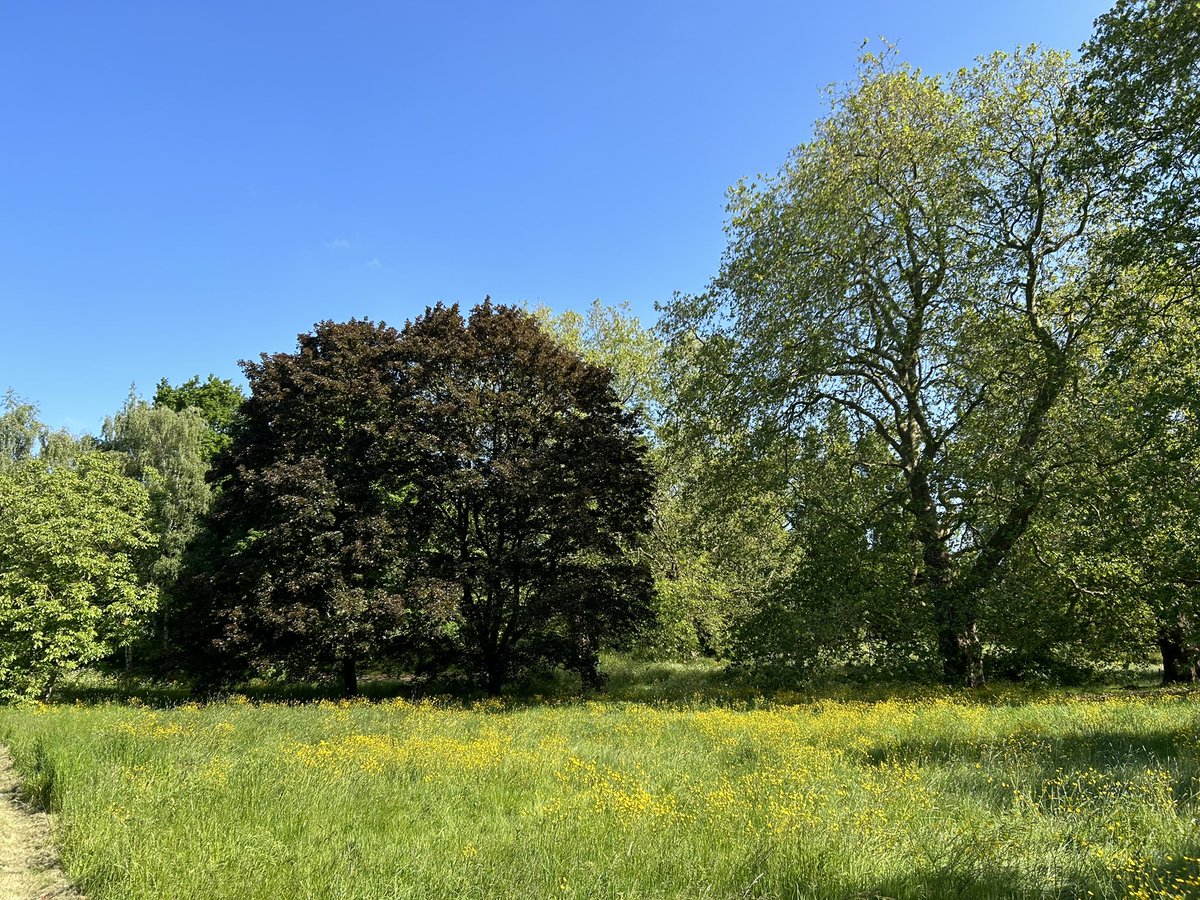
(925, 795)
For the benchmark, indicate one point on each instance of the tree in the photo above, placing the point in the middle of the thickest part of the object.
(531, 489)
(73, 540)
(924, 268)
(307, 527)
(1151, 525)
(613, 337)
(167, 452)
(1139, 106)
(700, 551)
(23, 436)
(217, 400)
(20, 430)
(1141, 112)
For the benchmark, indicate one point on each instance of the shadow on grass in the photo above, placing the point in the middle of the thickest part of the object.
(627, 679)
(164, 693)
(1061, 771)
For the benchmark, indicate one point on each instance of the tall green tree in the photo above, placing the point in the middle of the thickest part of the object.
(1141, 111)
(73, 586)
(1151, 520)
(217, 400)
(20, 430)
(166, 451)
(614, 338)
(1139, 106)
(923, 267)
(703, 550)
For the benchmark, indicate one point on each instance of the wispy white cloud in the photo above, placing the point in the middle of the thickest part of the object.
(337, 244)
(374, 263)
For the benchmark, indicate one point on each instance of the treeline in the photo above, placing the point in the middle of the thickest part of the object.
(936, 416)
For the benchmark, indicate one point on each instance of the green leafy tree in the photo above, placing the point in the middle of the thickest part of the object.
(24, 436)
(532, 487)
(614, 338)
(843, 586)
(167, 452)
(923, 267)
(1141, 111)
(1151, 522)
(73, 540)
(307, 529)
(216, 399)
(20, 430)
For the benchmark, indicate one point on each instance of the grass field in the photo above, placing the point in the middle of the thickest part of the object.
(925, 795)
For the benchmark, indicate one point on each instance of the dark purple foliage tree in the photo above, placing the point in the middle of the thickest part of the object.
(533, 487)
(472, 480)
(307, 531)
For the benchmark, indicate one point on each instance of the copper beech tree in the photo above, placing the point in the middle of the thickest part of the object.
(469, 479)
(532, 483)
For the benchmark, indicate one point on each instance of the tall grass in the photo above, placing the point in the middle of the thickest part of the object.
(937, 795)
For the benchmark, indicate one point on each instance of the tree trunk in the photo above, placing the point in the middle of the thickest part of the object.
(497, 675)
(954, 610)
(958, 639)
(1180, 655)
(349, 677)
(587, 660)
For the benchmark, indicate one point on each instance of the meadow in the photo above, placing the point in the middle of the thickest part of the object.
(645, 791)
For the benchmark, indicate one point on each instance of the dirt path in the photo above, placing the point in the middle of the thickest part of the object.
(28, 862)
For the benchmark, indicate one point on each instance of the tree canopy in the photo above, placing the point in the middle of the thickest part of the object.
(216, 399)
(308, 525)
(532, 484)
(922, 276)
(1141, 113)
(74, 544)
(468, 482)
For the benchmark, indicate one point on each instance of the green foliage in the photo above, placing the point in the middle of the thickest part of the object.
(613, 338)
(20, 430)
(73, 542)
(217, 400)
(848, 594)
(1141, 109)
(167, 451)
(923, 272)
(704, 550)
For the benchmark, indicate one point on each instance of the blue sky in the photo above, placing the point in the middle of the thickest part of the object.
(186, 184)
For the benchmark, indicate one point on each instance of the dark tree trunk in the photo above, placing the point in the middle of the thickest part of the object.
(953, 609)
(349, 677)
(958, 639)
(497, 675)
(587, 661)
(1180, 655)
